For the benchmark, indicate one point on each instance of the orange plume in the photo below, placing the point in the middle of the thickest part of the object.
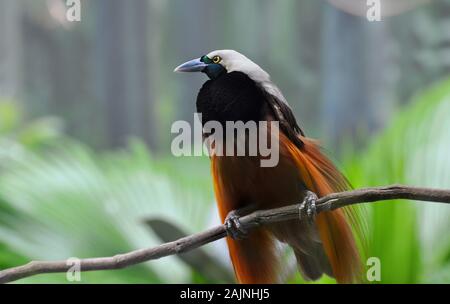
(240, 181)
(322, 177)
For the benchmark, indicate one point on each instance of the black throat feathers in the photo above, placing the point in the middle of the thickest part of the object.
(230, 97)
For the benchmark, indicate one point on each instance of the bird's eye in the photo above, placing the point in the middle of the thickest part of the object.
(216, 59)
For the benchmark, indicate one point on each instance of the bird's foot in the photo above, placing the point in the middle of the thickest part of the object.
(308, 207)
(234, 226)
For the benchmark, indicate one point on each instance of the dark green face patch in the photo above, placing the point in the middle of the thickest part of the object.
(213, 70)
(206, 59)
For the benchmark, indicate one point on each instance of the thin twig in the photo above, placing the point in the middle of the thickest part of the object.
(251, 221)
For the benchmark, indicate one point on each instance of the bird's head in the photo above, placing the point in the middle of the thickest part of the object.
(220, 62)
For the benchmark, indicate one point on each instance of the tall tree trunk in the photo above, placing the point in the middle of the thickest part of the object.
(111, 60)
(141, 104)
(354, 53)
(123, 63)
(10, 49)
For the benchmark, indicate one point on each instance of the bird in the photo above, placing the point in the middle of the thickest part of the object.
(327, 243)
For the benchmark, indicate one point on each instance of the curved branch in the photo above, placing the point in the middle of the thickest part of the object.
(251, 221)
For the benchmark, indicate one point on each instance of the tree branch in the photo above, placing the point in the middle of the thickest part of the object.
(251, 221)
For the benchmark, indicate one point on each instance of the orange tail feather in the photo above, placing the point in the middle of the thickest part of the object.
(322, 177)
(254, 259)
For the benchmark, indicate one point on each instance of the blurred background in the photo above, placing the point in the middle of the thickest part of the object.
(86, 109)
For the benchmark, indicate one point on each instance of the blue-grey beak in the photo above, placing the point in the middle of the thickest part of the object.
(194, 65)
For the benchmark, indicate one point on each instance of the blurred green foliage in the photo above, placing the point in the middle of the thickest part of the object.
(16, 129)
(59, 198)
(64, 199)
(411, 239)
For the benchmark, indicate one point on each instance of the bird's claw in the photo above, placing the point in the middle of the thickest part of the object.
(234, 227)
(308, 207)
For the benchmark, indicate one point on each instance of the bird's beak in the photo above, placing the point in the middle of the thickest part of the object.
(194, 65)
